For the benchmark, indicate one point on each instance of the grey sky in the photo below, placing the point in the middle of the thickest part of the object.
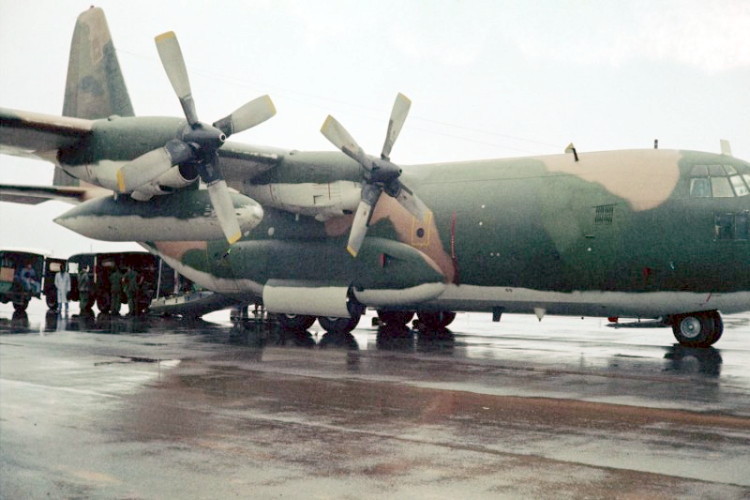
(487, 78)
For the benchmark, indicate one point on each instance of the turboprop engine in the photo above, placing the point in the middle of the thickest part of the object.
(186, 215)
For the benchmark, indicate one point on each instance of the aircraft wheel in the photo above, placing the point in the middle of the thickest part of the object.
(103, 303)
(394, 318)
(701, 329)
(20, 304)
(51, 299)
(436, 320)
(339, 325)
(295, 322)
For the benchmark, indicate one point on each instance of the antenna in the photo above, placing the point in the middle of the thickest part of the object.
(572, 149)
(726, 148)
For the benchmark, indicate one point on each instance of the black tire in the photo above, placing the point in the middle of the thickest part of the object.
(20, 304)
(701, 329)
(295, 322)
(51, 299)
(394, 318)
(339, 325)
(436, 320)
(103, 303)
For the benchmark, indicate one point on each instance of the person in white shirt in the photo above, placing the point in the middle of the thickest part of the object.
(62, 283)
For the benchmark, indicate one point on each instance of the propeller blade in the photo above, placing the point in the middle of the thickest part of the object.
(340, 138)
(221, 200)
(174, 64)
(398, 117)
(370, 196)
(151, 165)
(411, 202)
(359, 228)
(251, 114)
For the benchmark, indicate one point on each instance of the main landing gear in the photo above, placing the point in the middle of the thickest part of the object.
(700, 329)
(300, 322)
(436, 320)
(428, 320)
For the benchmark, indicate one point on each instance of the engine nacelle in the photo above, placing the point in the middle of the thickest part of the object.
(173, 179)
(310, 298)
(185, 215)
(321, 201)
(104, 174)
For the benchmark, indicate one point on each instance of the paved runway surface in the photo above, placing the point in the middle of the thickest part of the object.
(565, 408)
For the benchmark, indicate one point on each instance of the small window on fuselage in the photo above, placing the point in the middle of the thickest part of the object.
(742, 225)
(724, 226)
(732, 226)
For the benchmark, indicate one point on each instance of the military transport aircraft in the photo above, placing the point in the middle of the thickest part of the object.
(639, 233)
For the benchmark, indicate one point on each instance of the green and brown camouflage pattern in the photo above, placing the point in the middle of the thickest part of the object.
(599, 233)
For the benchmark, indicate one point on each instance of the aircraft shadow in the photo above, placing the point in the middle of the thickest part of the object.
(422, 339)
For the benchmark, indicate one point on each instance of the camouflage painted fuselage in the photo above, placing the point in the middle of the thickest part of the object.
(616, 233)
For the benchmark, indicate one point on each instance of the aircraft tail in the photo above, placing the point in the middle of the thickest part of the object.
(95, 87)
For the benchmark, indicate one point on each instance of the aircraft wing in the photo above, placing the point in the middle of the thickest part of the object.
(33, 195)
(36, 135)
(241, 162)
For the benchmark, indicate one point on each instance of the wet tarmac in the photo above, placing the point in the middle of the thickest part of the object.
(565, 408)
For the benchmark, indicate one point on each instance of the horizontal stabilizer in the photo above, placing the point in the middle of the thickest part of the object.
(37, 135)
(33, 195)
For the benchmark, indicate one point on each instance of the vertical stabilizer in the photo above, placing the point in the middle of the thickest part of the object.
(95, 87)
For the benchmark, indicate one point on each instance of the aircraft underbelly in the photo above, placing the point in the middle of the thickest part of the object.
(589, 303)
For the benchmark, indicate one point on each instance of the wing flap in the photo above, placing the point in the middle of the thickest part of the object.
(37, 135)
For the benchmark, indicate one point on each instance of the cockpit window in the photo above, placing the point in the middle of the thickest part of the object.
(699, 171)
(716, 170)
(718, 181)
(739, 187)
(720, 187)
(700, 188)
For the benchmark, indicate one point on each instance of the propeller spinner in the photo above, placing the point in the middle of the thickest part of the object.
(198, 143)
(380, 174)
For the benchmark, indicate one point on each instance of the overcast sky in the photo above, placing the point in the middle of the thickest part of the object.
(487, 78)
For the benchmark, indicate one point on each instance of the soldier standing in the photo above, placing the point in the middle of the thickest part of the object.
(130, 284)
(115, 288)
(84, 290)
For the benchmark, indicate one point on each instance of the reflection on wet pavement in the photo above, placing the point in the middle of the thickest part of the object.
(211, 408)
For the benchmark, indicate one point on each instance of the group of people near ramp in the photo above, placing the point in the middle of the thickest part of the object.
(110, 290)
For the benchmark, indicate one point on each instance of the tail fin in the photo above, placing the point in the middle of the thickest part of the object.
(95, 87)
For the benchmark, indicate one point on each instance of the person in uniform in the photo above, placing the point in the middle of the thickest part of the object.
(84, 290)
(62, 283)
(115, 288)
(130, 286)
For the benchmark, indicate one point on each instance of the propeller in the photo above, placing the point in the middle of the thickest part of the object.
(197, 143)
(380, 174)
